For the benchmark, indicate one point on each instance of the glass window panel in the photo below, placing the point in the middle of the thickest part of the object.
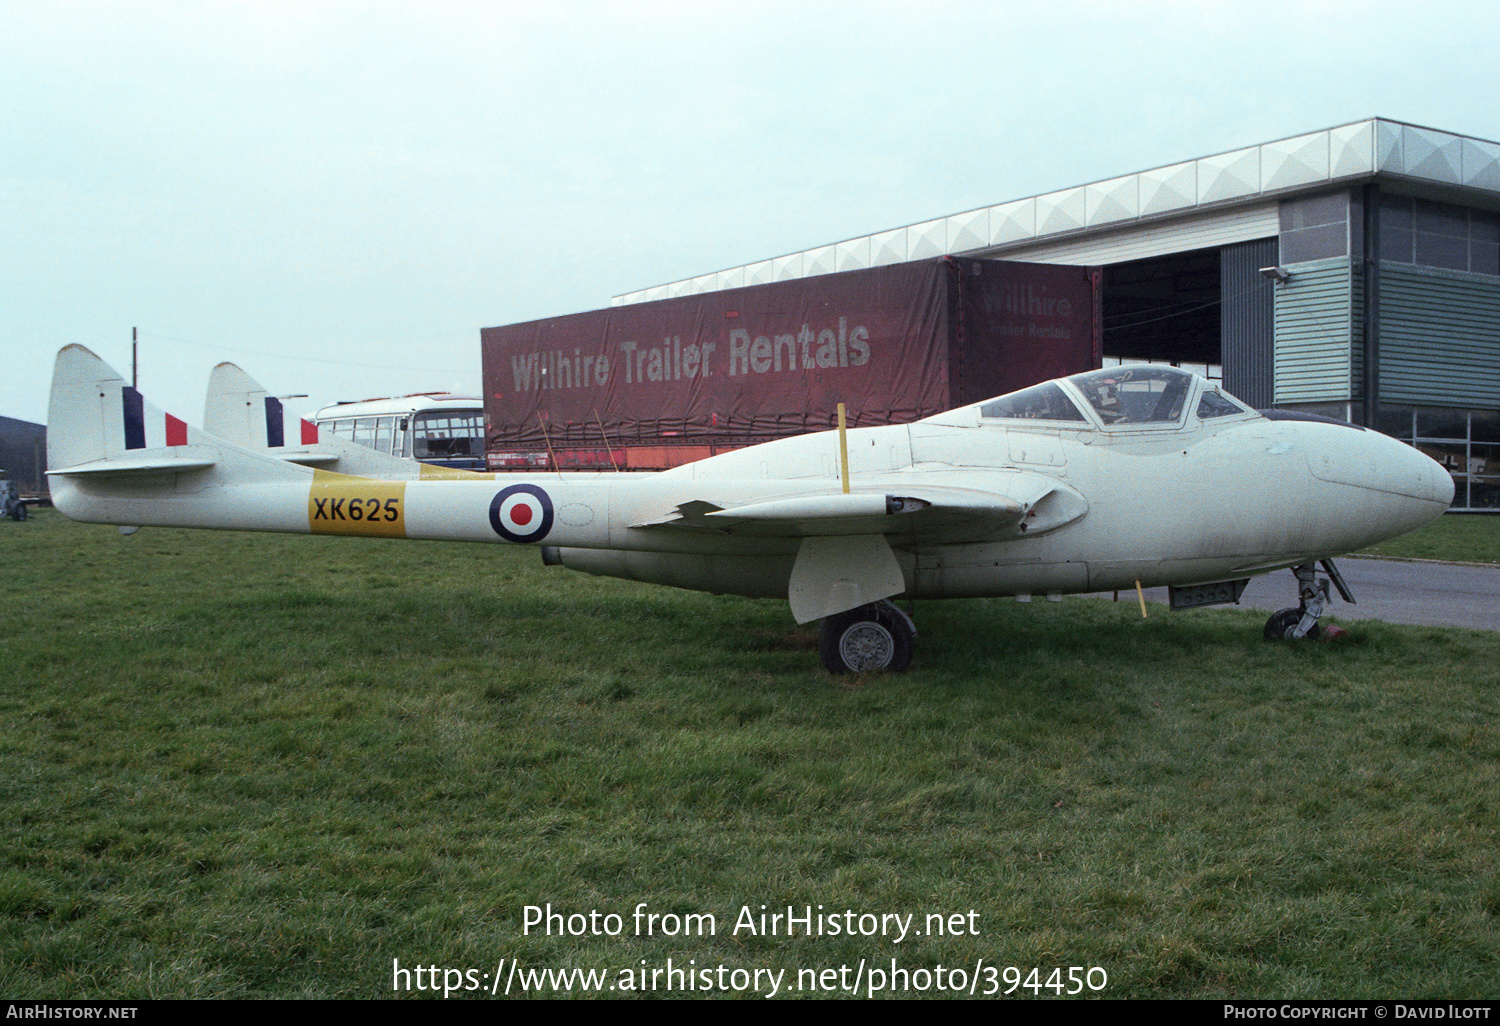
(1484, 493)
(1330, 208)
(364, 431)
(1314, 243)
(442, 435)
(1396, 244)
(1451, 455)
(1039, 402)
(384, 433)
(1395, 212)
(1394, 421)
(1484, 425)
(1441, 219)
(1442, 251)
(1215, 405)
(1484, 458)
(1440, 423)
(1484, 257)
(1136, 393)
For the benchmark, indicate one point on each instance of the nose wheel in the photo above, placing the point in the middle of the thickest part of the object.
(1302, 622)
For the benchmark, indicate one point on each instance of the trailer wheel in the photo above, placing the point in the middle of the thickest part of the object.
(868, 638)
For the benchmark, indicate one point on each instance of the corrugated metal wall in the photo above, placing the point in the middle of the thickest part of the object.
(1247, 327)
(1314, 324)
(1439, 337)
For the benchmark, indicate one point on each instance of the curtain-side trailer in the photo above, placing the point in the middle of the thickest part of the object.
(656, 384)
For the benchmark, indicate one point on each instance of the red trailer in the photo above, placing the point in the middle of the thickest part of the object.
(656, 384)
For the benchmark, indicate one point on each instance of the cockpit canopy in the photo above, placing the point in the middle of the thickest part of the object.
(1135, 395)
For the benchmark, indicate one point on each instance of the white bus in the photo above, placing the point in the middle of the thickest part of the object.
(432, 427)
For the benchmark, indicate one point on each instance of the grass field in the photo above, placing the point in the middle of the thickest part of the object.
(1462, 539)
(258, 766)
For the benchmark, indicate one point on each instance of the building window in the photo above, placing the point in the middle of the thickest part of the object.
(1415, 231)
(1314, 227)
(1465, 442)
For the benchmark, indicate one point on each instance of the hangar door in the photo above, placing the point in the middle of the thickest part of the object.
(1207, 307)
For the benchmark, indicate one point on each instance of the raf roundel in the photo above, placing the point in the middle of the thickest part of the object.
(521, 513)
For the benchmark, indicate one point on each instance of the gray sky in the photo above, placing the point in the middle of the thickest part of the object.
(338, 196)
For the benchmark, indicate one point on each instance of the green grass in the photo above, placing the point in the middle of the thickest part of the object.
(1457, 538)
(256, 766)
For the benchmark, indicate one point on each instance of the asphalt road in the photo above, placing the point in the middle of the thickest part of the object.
(1395, 591)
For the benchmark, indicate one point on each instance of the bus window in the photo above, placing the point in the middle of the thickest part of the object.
(384, 434)
(444, 435)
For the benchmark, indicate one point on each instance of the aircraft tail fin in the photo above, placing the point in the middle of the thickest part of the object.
(98, 424)
(113, 457)
(240, 410)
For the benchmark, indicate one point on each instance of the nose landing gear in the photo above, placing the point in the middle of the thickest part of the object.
(1302, 622)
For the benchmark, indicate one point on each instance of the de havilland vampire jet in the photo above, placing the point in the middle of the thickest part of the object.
(1116, 478)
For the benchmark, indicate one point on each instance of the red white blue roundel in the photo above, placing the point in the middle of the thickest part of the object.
(521, 513)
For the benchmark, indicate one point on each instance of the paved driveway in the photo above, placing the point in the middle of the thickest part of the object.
(1396, 591)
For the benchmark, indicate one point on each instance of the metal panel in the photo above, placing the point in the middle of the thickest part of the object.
(1010, 222)
(853, 254)
(1229, 175)
(1293, 162)
(1247, 327)
(1439, 337)
(888, 248)
(1201, 231)
(968, 230)
(1430, 154)
(929, 239)
(1063, 211)
(1170, 188)
(1314, 325)
(1481, 163)
(1116, 200)
(1351, 149)
(1130, 207)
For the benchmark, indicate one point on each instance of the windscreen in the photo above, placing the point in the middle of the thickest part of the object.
(1039, 402)
(1138, 394)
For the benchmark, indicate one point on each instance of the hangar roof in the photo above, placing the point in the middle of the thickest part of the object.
(1254, 176)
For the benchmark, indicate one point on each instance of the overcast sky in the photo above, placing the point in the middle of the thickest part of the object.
(337, 197)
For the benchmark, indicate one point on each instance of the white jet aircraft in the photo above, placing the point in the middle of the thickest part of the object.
(1116, 478)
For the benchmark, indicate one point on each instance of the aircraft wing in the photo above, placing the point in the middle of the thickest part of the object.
(930, 510)
(845, 555)
(934, 506)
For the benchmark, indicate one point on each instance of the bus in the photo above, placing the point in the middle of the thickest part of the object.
(431, 427)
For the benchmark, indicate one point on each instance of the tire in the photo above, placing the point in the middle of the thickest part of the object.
(1279, 627)
(873, 638)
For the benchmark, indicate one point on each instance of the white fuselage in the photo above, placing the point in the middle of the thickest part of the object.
(1087, 483)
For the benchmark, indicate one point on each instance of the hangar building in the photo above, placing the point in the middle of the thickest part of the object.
(1352, 272)
(23, 455)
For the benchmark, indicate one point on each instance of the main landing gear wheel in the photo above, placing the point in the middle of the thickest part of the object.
(874, 637)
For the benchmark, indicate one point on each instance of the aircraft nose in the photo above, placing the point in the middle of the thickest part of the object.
(1371, 460)
(1398, 488)
(1438, 484)
(1407, 471)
